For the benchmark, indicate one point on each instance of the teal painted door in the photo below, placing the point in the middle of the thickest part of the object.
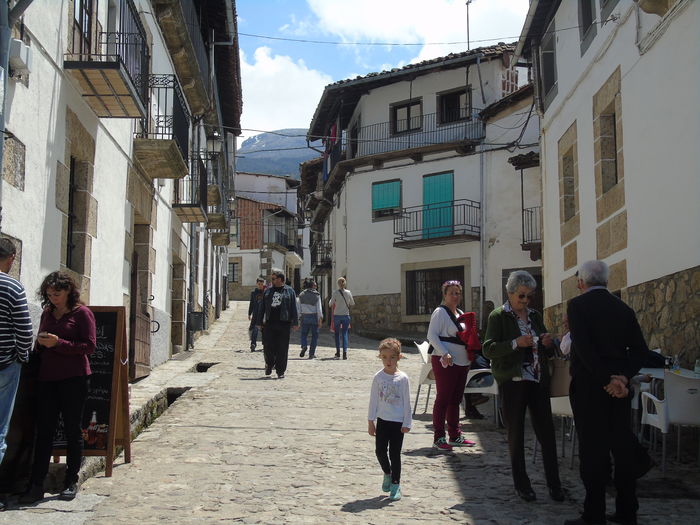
(438, 197)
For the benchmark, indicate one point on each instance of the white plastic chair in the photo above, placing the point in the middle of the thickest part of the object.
(561, 406)
(425, 376)
(680, 406)
(490, 390)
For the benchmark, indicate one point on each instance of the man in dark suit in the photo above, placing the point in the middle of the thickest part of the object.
(607, 351)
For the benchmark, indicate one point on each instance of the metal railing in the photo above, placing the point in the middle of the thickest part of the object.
(443, 219)
(167, 116)
(321, 253)
(426, 130)
(194, 29)
(192, 189)
(128, 45)
(273, 235)
(532, 225)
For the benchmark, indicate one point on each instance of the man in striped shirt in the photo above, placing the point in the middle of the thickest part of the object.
(15, 338)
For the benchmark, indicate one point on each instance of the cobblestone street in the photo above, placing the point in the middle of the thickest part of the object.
(241, 448)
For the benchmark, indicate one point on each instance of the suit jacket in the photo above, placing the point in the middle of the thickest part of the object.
(606, 337)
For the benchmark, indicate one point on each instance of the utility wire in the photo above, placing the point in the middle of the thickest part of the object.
(611, 18)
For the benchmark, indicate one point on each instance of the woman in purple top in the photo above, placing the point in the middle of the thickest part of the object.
(66, 338)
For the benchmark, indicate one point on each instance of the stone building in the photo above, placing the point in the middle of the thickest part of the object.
(618, 156)
(415, 187)
(120, 133)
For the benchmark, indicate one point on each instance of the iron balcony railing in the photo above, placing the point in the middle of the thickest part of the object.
(128, 45)
(433, 221)
(532, 225)
(425, 130)
(167, 117)
(321, 253)
(195, 31)
(192, 189)
(272, 234)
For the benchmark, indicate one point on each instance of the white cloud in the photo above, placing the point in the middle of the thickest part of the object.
(278, 92)
(419, 21)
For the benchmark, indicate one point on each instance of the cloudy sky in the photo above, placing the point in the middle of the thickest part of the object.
(283, 79)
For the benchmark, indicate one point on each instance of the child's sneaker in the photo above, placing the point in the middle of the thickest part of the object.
(461, 441)
(386, 483)
(395, 492)
(441, 444)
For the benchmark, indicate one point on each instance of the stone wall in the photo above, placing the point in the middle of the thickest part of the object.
(668, 310)
(380, 316)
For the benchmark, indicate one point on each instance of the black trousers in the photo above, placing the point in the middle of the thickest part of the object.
(516, 397)
(389, 436)
(276, 345)
(604, 427)
(66, 397)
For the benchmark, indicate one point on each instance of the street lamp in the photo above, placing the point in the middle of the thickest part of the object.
(468, 2)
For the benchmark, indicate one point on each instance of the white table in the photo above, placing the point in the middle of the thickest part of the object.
(658, 373)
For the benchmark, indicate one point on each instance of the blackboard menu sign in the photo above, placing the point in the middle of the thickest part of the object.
(106, 414)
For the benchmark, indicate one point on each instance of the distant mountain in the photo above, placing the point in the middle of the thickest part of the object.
(277, 153)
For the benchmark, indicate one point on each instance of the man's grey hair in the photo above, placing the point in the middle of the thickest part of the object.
(520, 278)
(594, 273)
(7, 248)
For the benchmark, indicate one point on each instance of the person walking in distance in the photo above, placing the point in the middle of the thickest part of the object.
(311, 316)
(340, 302)
(255, 311)
(390, 407)
(15, 339)
(279, 315)
(607, 350)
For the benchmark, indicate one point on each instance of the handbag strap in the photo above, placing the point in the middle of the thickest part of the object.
(344, 299)
(454, 319)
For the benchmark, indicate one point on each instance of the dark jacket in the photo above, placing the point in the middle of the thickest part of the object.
(255, 307)
(606, 338)
(507, 363)
(288, 308)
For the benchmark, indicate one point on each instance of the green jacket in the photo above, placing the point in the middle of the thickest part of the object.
(507, 363)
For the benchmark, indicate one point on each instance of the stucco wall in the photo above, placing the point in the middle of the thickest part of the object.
(658, 137)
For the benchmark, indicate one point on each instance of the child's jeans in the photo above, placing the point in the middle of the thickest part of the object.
(389, 436)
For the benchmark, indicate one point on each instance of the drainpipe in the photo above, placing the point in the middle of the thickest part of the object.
(8, 17)
(482, 239)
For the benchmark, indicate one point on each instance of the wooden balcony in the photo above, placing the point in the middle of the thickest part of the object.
(221, 238)
(190, 200)
(180, 25)
(321, 257)
(436, 224)
(161, 144)
(108, 67)
(532, 232)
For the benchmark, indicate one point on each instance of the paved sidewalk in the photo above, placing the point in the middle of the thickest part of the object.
(240, 448)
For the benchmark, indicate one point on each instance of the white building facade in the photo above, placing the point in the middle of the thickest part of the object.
(620, 130)
(118, 164)
(416, 187)
(267, 232)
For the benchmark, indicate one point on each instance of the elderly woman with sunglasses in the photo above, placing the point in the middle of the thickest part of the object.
(450, 363)
(519, 347)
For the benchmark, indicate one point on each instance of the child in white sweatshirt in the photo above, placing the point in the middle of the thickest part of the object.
(390, 406)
